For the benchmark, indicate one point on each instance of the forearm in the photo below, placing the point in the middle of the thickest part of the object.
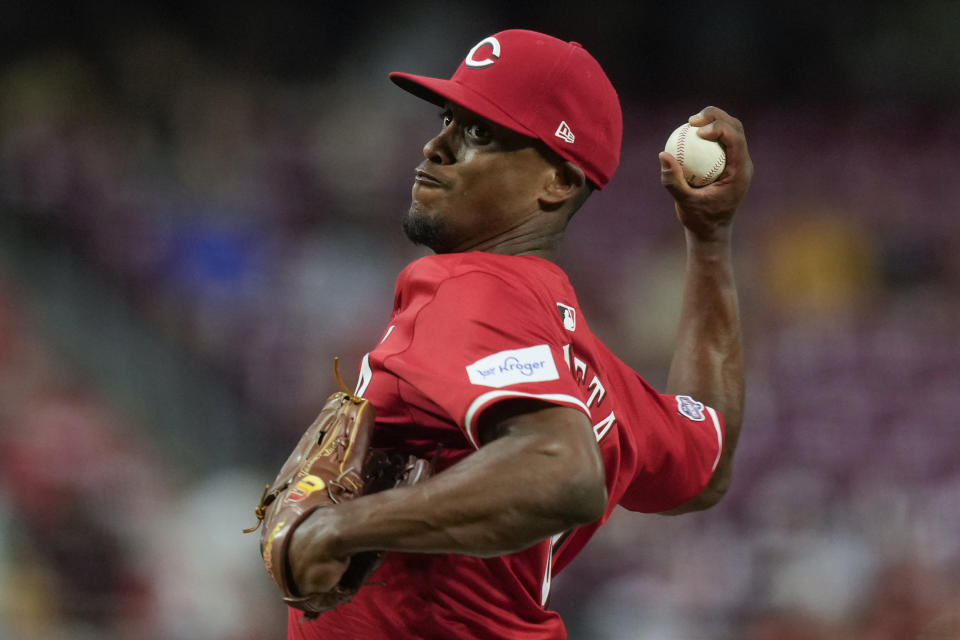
(708, 357)
(510, 494)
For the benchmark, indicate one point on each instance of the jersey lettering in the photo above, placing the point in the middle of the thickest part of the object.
(601, 428)
(598, 392)
(365, 371)
(548, 575)
(595, 391)
(387, 334)
(365, 374)
(579, 370)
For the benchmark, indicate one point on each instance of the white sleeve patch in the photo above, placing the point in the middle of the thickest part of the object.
(514, 366)
(690, 408)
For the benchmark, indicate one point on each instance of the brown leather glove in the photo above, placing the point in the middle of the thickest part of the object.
(331, 463)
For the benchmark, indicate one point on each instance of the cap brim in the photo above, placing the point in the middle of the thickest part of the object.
(439, 91)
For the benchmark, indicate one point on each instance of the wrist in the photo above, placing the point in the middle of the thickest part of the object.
(714, 245)
(320, 535)
(362, 524)
(336, 530)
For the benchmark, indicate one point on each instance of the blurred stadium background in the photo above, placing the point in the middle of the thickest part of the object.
(199, 207)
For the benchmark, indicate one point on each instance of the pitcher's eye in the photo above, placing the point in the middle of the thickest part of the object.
(446, 117)
(479, 131)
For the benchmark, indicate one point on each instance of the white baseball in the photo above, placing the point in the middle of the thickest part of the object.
(702, 160)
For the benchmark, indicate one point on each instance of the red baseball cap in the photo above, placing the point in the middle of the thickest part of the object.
(541, 87)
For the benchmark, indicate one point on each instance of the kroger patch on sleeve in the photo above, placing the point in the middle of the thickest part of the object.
(514, 366)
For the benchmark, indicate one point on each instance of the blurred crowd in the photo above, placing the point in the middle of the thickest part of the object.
(254, 223)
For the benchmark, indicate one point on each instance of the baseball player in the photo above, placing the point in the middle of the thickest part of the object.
(487, 365)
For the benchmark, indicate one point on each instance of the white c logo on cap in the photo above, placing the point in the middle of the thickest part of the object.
(486, 62)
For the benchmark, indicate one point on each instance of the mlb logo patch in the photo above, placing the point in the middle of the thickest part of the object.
(690, 408)
(569, 315)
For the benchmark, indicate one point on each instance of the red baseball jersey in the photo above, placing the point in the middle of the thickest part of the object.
(469, 330)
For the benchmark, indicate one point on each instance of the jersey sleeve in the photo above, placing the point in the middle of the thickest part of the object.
(678, 449)
(479, 341)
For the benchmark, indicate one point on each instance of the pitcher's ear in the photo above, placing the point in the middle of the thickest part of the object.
(567, 180)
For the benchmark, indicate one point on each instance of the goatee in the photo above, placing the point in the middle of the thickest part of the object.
(423, 230)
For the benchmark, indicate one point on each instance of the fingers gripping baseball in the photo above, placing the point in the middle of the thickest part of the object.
(708, 209)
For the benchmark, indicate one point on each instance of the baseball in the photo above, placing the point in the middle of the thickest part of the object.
(702, 160)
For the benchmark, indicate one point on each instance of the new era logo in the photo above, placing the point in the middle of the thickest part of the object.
(564, 132)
